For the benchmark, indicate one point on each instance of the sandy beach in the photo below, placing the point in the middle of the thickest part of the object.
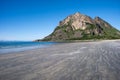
(98, 60)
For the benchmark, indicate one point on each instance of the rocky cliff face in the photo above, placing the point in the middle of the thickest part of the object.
(78, 21)
(79, 26)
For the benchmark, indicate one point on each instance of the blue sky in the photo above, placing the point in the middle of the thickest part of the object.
(34, 19)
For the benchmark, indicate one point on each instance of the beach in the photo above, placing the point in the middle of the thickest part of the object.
(99, 60)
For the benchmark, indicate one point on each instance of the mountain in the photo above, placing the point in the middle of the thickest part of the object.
(82, 27)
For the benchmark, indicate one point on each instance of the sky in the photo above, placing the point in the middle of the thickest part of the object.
(34, 19)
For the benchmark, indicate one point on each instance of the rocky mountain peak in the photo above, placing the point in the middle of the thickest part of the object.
(77, 14)
(101, 22)
(79, 26)
(97, 18)
(77, 21)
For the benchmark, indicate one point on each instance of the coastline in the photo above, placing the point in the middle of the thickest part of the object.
(90, 40)
(67, 61)
(22, 49)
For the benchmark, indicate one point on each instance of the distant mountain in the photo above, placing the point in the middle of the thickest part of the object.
(82, 27)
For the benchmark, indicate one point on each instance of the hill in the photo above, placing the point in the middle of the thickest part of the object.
(82, 27)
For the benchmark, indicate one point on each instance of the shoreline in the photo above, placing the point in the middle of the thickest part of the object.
(91, 40)
(11, 46)
(58, 43)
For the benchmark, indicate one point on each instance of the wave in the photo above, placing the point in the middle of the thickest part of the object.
(11, 46)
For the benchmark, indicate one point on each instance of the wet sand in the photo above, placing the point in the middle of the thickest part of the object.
(67, 61)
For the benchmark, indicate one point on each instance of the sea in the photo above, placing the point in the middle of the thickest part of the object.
(16, 46)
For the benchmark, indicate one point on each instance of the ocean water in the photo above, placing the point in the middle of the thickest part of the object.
(15, 46)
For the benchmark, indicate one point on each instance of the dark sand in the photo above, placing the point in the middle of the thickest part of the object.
(69, 61)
